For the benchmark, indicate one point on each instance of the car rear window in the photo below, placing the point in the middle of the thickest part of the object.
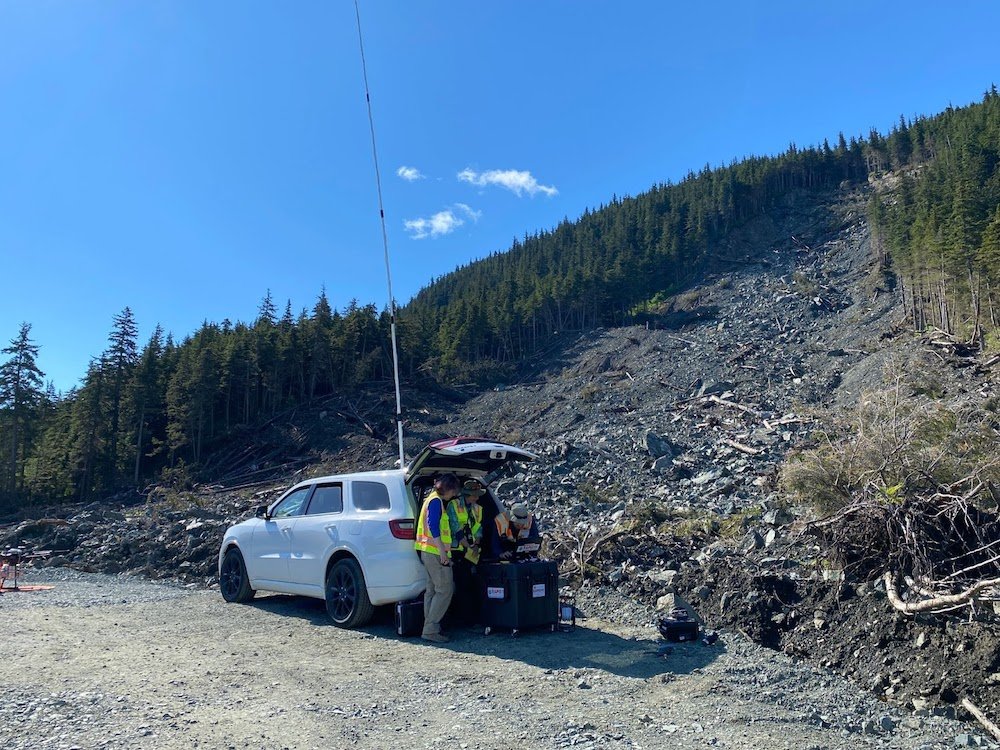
(328, 498)
(370, 496)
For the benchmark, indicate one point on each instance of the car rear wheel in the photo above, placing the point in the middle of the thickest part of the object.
(347, 600)
(234, 583)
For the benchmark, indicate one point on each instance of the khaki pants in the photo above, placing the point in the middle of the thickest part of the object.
(437, 597)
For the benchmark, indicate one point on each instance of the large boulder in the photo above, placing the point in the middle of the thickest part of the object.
(658, 446)
(671, 601)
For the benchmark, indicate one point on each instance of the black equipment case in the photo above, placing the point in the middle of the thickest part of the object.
(678, 627)
(519, 595)
(410, 616)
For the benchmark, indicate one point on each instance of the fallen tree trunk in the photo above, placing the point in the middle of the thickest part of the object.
(973, 709)
(741, 447)
(937, 602)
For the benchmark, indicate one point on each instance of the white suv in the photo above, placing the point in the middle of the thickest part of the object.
(348, 538)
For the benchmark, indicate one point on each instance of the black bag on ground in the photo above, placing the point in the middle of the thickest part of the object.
(410, 617)
(678, 626)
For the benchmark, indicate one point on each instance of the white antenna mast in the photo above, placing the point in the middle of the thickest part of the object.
(385, 246)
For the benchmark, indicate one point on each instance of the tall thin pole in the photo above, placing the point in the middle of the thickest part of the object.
(385, 246)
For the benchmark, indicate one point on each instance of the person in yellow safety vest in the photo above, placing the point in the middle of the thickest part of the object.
(465, 515)
(512, 526)
(433, 544)
(465, 518)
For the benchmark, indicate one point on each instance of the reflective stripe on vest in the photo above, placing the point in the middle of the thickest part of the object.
(470, 521)
(425, 542)
(506, 529)
(504, 526)
(461, 513)
(476, 524)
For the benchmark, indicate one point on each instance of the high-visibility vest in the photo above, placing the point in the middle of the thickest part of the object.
(503, 524)
(470, 520)
(462, 514)
(476, 529)
(505, 529)
(476, 521)
(425, 542)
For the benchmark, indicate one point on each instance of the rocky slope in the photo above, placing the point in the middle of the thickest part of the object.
(661, 446)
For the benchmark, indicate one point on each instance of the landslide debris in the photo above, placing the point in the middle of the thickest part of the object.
(661, 450)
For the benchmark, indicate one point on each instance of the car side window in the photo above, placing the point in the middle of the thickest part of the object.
(291, 505)
(328, 498)
(370, 496)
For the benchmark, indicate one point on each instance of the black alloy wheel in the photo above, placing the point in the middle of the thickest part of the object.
(234, 583)
(347, 600)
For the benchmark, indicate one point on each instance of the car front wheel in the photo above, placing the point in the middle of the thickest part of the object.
(347, 600)
(234, 583)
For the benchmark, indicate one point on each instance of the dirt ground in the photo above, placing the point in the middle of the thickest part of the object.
(118, 662)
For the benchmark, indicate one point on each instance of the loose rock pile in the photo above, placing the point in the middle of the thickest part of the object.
(146, 539)
(660, 449)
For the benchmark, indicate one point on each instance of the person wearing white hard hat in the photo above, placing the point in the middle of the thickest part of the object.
(512, 526)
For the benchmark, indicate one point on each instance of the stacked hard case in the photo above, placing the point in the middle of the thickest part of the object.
(519, 595)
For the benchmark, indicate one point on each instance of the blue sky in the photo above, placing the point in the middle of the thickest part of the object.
(183, 158)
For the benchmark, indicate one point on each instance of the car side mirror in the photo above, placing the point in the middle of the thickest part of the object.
(261, 512)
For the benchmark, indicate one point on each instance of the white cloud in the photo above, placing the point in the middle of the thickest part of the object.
(472, 214)
(409, 173)
(441, 223)
(515, 181)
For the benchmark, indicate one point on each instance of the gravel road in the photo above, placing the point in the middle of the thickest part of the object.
(118, 662)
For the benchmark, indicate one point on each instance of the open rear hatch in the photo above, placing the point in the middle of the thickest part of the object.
(467, 456)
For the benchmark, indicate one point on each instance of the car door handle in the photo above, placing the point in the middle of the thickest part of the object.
(286, 530)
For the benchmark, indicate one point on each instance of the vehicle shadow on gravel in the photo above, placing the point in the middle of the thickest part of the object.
(584, 647)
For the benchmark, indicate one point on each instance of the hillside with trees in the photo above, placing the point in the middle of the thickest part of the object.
(939, 222)
(160, 408)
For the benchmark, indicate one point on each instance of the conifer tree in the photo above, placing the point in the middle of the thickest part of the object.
(989, 260)
(120, 358)
(146, 394)
(88, 427)
(20, 395)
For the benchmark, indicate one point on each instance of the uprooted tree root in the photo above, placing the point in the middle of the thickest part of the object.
(910, 491)
(947, 552)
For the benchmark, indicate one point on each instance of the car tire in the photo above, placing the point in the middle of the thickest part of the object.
(347, 601)
(234, 583)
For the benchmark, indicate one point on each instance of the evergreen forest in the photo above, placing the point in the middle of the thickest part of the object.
(151, 410)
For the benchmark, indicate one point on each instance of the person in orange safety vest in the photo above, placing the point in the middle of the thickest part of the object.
(512, 526)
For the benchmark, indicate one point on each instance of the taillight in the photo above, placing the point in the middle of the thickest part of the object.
(403, 528)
